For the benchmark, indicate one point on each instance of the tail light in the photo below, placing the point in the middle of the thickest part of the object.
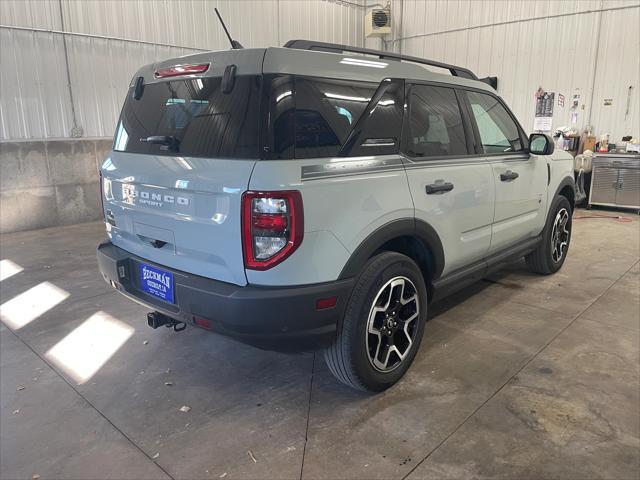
(101, 191)
(272, 227)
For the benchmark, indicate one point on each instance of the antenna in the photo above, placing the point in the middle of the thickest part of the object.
(234, 43)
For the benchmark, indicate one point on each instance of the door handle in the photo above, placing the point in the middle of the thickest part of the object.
(508, 176)
(439, 187)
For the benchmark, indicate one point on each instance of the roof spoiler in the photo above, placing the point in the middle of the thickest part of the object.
(336, 48)
(491, 81)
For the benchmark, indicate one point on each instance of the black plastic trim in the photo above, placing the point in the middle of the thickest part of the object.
(566, 182)
(229, 78)
(491, 81)
(337, 48)
(276, 318)
(470, 274)
(398, 228)
(467, 123)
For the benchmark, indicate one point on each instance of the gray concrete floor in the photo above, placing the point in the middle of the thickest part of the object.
(522, 376)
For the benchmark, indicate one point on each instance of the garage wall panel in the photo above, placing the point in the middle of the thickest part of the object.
(618, 69)
(98, 87)
(31, 13)
(528, 44)
(34, 96)
(326, 21)
(189, 23)
(34, 99)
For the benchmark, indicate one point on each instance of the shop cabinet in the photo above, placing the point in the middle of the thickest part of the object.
(616, 181)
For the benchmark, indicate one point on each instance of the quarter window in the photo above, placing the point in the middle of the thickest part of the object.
(499, 133)
(325, 112)
(435, 127)
(310, 117)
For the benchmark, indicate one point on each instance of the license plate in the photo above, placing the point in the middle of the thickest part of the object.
(156, 282)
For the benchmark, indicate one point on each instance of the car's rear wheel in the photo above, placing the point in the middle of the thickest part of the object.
(552, 251)
(382, 326)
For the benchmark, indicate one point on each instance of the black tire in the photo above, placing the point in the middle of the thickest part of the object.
(544, 259)
(348, 357)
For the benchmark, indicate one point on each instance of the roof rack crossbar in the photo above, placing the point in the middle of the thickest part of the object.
(337, 48)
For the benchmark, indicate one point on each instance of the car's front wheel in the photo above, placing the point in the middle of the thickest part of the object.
(549, 256)
(382, 326)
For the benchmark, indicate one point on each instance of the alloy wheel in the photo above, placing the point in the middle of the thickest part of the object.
(560, 235)
(392, 325)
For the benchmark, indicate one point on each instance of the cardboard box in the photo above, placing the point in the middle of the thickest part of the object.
(589, 144)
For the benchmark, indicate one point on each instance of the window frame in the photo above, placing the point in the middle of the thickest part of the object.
(476, 132)
(267, 134)
(466, 125)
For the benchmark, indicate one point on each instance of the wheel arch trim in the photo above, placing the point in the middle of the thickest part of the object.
(567, 181)
(406, 227)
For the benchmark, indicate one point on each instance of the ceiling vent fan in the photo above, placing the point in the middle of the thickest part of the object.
(377, 22)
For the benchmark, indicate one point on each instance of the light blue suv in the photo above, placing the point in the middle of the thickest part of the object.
(320, 196)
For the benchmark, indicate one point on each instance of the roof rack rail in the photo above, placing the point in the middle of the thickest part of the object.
(337, 48)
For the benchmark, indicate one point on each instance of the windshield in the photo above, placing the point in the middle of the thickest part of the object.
(193, 118)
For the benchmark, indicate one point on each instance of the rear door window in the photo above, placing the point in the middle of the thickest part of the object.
(193, 118)
(434, 127)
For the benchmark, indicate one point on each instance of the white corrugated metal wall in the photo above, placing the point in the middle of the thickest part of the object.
(527, 44)
(586, 47)
(35, 98)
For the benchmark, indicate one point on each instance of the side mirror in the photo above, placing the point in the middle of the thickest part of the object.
(541, 144)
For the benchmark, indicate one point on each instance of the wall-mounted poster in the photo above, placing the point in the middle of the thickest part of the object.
(560, 100)
(544, 110)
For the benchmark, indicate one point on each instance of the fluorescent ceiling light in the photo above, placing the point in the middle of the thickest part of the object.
(283, 95)
(184, 163)
(346, 97)
(356, 99)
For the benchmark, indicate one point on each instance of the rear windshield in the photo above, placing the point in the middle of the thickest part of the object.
(193, 118)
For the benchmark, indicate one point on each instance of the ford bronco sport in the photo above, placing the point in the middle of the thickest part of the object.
(319, 196)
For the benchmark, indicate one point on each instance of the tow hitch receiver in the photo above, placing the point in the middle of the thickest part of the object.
(157, 319)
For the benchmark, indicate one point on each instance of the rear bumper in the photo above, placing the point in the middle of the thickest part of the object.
(278, 318)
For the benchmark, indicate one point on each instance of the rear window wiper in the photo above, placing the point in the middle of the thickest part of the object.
(169, 140)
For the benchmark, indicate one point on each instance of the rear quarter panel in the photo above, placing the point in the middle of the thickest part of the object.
(341, 208)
